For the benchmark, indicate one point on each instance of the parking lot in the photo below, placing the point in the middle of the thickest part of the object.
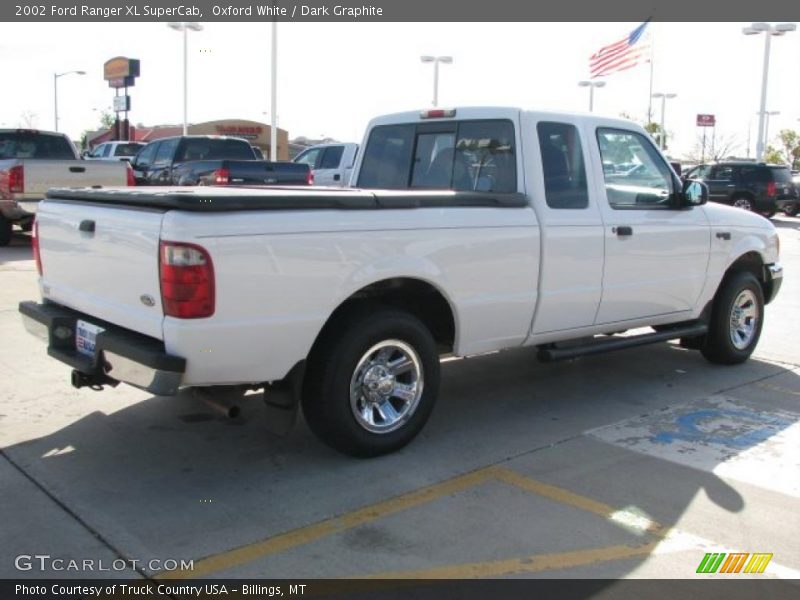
(631, 464)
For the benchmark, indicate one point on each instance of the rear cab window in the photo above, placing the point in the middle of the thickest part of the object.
(465, 155)
(214, 149)
(563, 166)
(32, 144)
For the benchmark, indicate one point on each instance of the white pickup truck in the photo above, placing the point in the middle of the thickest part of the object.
(331, 164)
(471, 230)
(31, 162)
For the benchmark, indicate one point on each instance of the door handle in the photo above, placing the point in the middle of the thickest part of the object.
(87, 226)
(622, 230)
(77, 169)
(337, 177)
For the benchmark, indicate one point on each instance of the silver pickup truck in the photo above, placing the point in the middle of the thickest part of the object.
(32, 162)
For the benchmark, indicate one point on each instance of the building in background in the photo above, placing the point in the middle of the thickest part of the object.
(258, 134)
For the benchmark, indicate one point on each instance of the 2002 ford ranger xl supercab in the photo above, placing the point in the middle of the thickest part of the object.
(470, 230)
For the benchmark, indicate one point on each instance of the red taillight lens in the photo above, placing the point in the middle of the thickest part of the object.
(37, 256)
(771, 189)
(16, 180)
(310, 177)
(222, 176)
(187, 280)
(131, 179)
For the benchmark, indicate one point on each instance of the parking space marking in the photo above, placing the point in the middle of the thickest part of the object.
(313, 532)
(776, 388)
(528, 564)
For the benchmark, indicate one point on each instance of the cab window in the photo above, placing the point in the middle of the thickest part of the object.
(562, 166)
(640, 178)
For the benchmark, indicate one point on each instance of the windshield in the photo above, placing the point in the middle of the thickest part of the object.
(127, 149)
(29, 144)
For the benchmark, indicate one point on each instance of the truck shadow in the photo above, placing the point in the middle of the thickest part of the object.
(169, 476)
(18, 249)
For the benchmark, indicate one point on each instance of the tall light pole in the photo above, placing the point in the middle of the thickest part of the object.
(55, 92)
(591, 85)
(185, 27)
(768, 31)
(273, 128)
(436, 60)
(767, 115)
(664, 98)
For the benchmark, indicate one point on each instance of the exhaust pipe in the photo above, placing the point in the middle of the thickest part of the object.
(229, 410)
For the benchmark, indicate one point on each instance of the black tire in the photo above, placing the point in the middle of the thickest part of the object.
(769, 214)
(5, 231)
(331, 369)
(790, 210)
(719, 347)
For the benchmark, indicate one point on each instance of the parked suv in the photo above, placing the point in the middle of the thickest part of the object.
(753, 186)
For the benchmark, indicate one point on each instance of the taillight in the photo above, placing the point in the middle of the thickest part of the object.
(37, 256)
(16, 180)
(131, 178)
(222, 176)
(771, 189)
(310, 177)
(187, 280)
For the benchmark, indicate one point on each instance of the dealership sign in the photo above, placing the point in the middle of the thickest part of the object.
(706, 121)
(121, 71)
(248, 132)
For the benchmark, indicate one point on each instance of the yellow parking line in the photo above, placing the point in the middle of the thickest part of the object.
(530, 564)
(563, 496)
(304, 535)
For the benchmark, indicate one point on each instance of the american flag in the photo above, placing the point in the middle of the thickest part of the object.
(619, 56)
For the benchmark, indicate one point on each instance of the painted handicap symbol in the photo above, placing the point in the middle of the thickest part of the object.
(756, 428)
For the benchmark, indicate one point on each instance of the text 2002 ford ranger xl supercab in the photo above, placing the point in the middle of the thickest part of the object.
(345, 299)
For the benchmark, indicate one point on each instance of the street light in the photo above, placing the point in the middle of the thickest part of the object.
(591, 85)
(767, 115)
(55, 91)
(768, 31)
(185, 27)
(664, 98)
(436, 60)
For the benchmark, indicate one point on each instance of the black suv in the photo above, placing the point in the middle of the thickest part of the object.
(753, 186)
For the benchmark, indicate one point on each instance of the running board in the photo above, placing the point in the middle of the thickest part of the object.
(551, 353)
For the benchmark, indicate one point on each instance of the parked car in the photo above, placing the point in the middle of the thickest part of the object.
(33, 161)
(791, 208)
(114, 151)
(331, 164)
(474, 230)
(211, 160)
(753, 186)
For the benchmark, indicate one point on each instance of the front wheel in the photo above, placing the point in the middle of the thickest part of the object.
(371, 382)
(737, 317)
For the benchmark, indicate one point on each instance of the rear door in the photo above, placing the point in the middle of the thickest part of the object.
(656, 255)
(722, 181)
(329, 170)
(103, 261)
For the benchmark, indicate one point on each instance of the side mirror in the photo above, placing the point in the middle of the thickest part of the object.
(695, 193)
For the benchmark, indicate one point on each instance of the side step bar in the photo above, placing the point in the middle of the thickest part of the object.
(551, 353)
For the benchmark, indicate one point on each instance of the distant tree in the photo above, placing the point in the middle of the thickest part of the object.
(722, 146)
(28, 119)
(790, 147)
(774, 155)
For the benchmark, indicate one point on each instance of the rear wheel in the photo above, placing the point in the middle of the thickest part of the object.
(743, 202)
(790, 210)
(5, 231)
(371, 382)
(768, 214)
(736, 320)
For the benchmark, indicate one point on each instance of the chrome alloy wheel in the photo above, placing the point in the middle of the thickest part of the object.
(386, 386)
(743, 319)
(743, 203)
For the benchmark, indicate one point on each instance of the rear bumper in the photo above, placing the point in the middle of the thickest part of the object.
(119, 355)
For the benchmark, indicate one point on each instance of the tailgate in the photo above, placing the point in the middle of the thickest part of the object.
(41, 175)
(110, 273)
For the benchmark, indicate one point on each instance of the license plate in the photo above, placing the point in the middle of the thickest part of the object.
(86, 337)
